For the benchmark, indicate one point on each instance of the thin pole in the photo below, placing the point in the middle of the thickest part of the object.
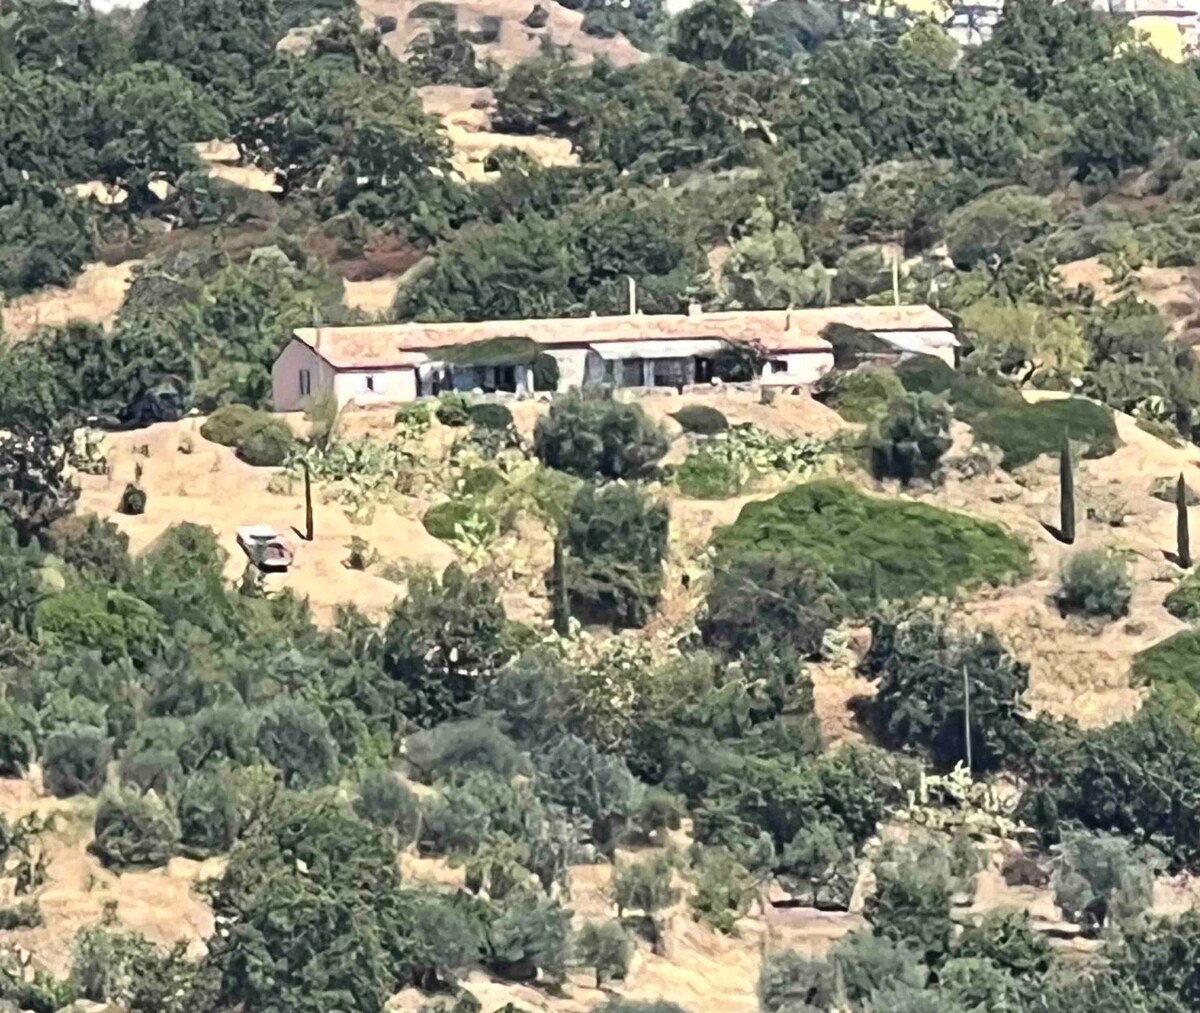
(967, 715)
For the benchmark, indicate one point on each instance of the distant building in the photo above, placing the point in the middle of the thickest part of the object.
(383, 364)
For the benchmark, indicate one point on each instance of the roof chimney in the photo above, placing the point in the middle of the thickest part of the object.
(632, 297)
(695, 309)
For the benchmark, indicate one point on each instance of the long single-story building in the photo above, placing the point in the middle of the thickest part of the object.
(383, 364)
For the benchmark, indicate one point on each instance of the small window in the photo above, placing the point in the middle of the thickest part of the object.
(305, 383)
(370, 384)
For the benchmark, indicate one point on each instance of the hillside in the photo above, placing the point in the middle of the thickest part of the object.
(876, 694)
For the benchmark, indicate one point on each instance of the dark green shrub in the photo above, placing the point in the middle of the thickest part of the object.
(701, 420)
(724, 889)
(480, 481)
(909, 441)
(385, 802)
(618, 1005)
(155, 770)
(920, 665)
(453, 410)
(911, 903)
(293, 735)
(738, 362)
(995, 224)
(124, 969)
(260, 438)
(969, 395)
(219, 734)
(545, 373)
(645, 885)
(771, 600)
(210, 817)
(1183, 601)
(487, 415)
(1100, 879)
(604, 948)
(74, 761)
(134, 830)
(114, 623)
(658, 809)
(868, 963)
(617, 539)
(1137, 778)
(133, 501)
(594, 436)
(229, 424)
(1095, 582)
(95, 548)
(791, 981)
(267, 445)
(474, 810)
(457, 748)
(25, 915)
(448, 521)
(861, 395)
(580, 778)
(1008, 940)
(705, 475)
(1025, 432)
(872, 548)
(443, 644)
(17, 724)
(413, 419)
(528, 940)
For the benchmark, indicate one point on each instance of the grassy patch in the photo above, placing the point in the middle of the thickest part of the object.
(1184, 600)
(869, 547)
(706, 475)
(1000, 416)
(1171, 668)
(1026, 432)
(459, 520)
(260, 438)
(860, 396)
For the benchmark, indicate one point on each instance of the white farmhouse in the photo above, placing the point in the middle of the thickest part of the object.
(386, 364)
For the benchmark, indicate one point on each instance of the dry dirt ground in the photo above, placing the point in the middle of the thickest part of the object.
(1172, 289)
(211, 487)
(94, 297)
(516, 41)
(1075, 669)
(160, 903)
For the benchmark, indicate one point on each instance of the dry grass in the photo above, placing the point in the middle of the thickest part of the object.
(94, 297)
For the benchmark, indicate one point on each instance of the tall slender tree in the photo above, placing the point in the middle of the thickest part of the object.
(1066, 477)
(560, 606)
(1182, 537)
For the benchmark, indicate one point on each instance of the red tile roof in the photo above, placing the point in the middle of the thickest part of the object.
(391, 345)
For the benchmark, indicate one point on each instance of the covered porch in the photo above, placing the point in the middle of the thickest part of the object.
(653, 363)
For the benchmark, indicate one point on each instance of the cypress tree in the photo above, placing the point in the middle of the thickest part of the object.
(308, 511)
(560, 608)
(1066, 477)
(1182, 536)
